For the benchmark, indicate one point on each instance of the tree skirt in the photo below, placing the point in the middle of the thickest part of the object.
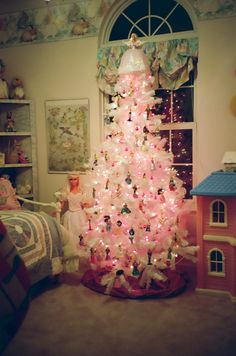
(174, 285)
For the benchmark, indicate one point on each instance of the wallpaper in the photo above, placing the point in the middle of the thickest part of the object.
(53, 23)
(208, 9)
(79, 19)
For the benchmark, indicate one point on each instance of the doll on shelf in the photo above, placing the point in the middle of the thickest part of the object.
(74, 219)
(10, 123)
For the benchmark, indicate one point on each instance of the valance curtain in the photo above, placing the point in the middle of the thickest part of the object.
(170, 62)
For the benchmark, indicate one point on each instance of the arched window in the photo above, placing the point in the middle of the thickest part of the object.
(150, 18)
(158, 22)
(218, 213)
(216, 263)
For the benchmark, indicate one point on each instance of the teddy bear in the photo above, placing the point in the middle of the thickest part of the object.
(17, 89)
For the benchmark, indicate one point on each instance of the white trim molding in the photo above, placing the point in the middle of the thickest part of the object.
(216, 292)
(218, 238)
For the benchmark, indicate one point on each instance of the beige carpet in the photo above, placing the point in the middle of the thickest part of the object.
(69, 319)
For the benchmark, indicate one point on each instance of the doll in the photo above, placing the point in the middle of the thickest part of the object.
(74, 219)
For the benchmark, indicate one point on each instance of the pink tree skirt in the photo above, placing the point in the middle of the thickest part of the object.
(122, 286)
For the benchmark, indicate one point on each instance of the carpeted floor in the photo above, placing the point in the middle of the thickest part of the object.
(69, 319)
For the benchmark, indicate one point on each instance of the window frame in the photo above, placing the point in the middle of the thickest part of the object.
(212, 222)
(215, 273)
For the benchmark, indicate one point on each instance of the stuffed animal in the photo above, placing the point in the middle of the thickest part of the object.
(3, 83)
(17, 89)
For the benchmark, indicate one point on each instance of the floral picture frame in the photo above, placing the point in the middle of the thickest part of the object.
(68, 135)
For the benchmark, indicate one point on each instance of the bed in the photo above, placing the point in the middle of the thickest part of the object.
(33, 246)
(42, 242)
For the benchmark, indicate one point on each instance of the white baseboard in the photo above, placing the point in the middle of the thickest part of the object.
(216, 292)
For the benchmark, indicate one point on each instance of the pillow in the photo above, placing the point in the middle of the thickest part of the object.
(8, 200)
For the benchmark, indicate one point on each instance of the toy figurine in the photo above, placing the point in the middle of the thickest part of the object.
(10, 123)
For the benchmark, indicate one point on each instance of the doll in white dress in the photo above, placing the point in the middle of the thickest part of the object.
(74, 219)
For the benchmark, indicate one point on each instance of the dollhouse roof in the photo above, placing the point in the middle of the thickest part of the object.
(217, 184)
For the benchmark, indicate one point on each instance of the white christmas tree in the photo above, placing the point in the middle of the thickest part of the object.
(134, 233)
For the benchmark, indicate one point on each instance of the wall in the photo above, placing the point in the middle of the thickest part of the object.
(58, 70)
(67, 69)
(216, 84)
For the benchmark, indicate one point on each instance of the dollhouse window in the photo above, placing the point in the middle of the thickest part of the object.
(216, 263)
(218, 214)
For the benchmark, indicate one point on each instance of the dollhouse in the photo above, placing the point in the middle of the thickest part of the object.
(216, 233)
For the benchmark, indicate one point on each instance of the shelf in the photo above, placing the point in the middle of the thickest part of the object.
(14, 101)
(15, 133)
(16, 165)
(20, 174)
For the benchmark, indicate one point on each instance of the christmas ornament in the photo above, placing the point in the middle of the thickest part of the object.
(135, 188)
(135, 271)
(130, 116)
(94, 193)
(131, 235)
(128, 179)
(107, 250)
(149, 253)
(107, 184)
(125, 209)
(107, 220)
(172, 185)
(95, 162)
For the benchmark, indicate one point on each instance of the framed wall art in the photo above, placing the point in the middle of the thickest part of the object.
(68, 135)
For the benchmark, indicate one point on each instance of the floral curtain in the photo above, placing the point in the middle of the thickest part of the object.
(170, 61)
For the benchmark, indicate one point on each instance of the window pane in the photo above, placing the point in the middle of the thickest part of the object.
(165, 107)
(185, 173)
(137, 10)
(180, 21)
(213, 266)
(120, 29)
(218, 256)
(163, 29)
(155, 23)
(221, 217)
(162, 8)
(143, 24)
(221, 207)
(215, 217)
(182, 146)
(183, 105)
(213, 255)
(219, 267)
